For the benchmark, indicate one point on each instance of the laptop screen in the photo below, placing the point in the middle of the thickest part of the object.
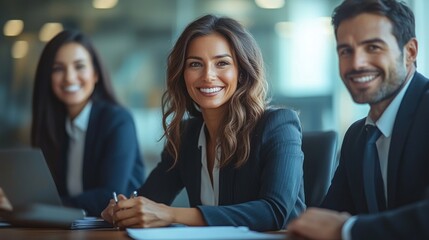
(26, 179)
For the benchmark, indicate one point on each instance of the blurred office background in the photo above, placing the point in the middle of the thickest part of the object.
(134, 38)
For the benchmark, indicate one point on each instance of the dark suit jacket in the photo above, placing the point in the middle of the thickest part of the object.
(410, 222)
(408, 163)
(264, 194)
(112, 160)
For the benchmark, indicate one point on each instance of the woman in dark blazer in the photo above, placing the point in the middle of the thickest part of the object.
(88, 139)
(239, 160)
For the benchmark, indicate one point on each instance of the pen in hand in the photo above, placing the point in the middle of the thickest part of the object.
(134, 194)
(115, 197)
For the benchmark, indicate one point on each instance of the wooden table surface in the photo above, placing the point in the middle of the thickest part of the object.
(9, 233)
(48, 234)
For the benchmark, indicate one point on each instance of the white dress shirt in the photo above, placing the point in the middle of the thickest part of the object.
(209, 191)
(76, 130)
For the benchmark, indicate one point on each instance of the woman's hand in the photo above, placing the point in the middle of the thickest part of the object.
(4, 202)
(107, 213)
(141, 212)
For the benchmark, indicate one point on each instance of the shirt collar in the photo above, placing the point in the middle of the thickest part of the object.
(80, 122)
(387, 119)
(202, 137)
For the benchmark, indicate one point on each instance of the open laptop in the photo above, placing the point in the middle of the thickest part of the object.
(28, 184)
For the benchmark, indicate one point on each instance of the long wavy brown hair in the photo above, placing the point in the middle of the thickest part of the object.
(246, 105)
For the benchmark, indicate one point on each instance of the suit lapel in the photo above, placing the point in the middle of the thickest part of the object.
(356, 166)
(61, 166)
(191, 160)
(226, 185)
(194, 180)
(90, 139)
(401, 129)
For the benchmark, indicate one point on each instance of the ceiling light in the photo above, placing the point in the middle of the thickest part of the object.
(49, 30)
(13, 27)
(270, 4)
(104, 4)
(19, 49)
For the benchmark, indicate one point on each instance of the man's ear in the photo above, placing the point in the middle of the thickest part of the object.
(411, 50)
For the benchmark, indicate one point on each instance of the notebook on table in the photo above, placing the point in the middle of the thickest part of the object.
(28, 184)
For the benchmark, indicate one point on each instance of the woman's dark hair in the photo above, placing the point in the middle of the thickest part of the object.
(48, 112)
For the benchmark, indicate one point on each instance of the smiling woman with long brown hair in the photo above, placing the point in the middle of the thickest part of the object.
(239, 160)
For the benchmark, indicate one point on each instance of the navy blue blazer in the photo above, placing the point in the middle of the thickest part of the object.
(112, 160)
(264, 194)
(408, 163)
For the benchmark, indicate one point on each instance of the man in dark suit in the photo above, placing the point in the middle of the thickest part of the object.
(377, 52)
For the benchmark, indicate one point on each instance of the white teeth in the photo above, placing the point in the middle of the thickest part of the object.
(72, 88)
(364, 79)
(210, 90)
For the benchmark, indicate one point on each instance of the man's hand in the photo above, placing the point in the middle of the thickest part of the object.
(318, 224)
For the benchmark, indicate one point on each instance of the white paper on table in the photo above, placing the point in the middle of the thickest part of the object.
(227, 232)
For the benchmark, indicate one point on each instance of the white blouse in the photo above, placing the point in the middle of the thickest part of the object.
(76, 131)
(209, 191)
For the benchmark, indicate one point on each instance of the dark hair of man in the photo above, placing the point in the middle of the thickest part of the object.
(245, 106)
(401, 16)
(48, 112)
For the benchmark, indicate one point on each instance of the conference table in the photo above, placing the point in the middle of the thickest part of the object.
(7, 233)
